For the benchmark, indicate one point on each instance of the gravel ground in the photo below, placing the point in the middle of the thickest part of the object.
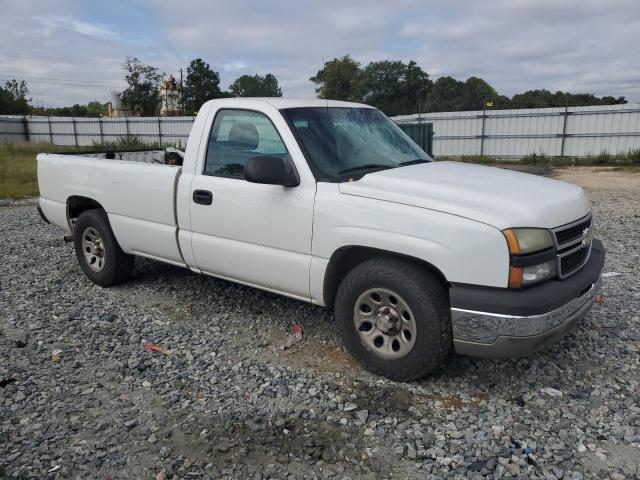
(81, 398)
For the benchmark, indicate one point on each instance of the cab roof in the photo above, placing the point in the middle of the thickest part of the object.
(283, 102)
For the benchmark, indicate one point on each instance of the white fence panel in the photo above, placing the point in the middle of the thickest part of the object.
(90, 131)
(573, 131)
(12, 129)
(113, 129)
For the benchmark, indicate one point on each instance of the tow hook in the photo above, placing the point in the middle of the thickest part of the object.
(68, 238)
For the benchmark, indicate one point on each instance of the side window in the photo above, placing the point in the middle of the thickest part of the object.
(236, 136)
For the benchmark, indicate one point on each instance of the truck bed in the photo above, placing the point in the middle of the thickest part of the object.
(168, 156)
(136, 188)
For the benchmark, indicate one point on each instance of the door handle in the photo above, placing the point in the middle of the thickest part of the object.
(203, 197)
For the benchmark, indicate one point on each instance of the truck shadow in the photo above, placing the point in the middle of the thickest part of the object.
(184, 296)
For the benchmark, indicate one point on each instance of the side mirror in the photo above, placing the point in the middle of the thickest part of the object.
(271, 171)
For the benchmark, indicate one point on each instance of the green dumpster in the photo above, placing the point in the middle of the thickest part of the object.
(422, 134)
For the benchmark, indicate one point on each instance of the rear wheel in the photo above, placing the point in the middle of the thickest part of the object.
(394, 317)
(97, 250)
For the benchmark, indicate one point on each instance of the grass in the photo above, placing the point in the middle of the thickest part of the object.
(630, 158)
(18, 172)
(18, 168)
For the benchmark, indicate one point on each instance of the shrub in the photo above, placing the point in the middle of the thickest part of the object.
(536, 159)
(632, 157)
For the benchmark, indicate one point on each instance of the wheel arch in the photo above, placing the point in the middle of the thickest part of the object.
(346, 258)
(77, 204)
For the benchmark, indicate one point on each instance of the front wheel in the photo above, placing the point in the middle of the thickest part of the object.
(97, 250)
(394, 317)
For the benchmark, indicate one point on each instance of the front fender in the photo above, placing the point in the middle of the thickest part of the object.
(463, 250)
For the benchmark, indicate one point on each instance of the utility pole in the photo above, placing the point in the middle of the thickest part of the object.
(181, 93)
(484, 116)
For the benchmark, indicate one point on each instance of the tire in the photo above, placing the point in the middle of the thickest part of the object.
(97, 250)
(421, 308)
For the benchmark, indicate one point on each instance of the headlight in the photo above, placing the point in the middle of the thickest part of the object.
(538, 273)
(527, 240)
(526, 276)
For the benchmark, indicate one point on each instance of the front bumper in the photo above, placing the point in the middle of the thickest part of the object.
(512, 323)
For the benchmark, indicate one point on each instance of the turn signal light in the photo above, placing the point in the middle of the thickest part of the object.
(512, 242)
(515, 277)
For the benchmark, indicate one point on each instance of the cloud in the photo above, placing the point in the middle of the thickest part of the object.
(233, 66)
(516, 45)
(578, 45)
(73, 25)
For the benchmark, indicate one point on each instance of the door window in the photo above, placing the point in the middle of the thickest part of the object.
(236, 136)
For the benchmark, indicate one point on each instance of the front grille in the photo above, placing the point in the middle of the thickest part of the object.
(572, 233)
(573, 261)
(573, 242)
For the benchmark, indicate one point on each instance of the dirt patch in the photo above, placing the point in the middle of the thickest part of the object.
(611, 456)
(601, 178)
(308, 353)
(325, 358)
(617, 190)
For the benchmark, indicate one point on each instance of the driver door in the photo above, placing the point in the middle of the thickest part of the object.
(251, 233)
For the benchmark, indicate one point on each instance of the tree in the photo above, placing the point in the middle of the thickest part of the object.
(142, 96)
(451, 95)
(477, 93)
(544, 98)
(446, 95)
(394, 87)
(608, 100)
(256, 86)
(201, 84)
(339, 79)
(19, 90)
(13, 98)
(97, 109)
(91, 109)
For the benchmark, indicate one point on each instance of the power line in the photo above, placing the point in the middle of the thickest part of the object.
(49, 57)
(49, 78)
(68, 84)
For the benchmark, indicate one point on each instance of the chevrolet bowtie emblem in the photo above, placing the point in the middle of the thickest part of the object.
(586, 236)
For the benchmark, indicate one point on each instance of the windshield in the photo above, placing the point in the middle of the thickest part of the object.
(345, 143)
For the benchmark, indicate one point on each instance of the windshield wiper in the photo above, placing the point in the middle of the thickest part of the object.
(367, 166)
(413, 162)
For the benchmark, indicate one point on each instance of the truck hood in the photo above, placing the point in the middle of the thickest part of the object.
(495, 196)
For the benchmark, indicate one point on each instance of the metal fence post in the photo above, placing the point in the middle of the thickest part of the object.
(25, 123)
(484, 116)
(50, 133)
(564, 130)
(159, 132)
(126, 121)
(100, 128)
(75, 132)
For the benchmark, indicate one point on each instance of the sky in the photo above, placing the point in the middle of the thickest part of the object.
(71, 51)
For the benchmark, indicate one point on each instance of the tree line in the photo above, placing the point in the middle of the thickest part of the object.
(393, 86)
(399, 88)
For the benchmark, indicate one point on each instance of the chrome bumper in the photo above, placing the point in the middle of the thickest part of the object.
(492, 335)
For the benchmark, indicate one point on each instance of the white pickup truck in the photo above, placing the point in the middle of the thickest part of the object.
(331, 203)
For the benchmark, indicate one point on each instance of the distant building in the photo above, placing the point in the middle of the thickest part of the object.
(170, 98)
(170, 101)
(115, 108)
